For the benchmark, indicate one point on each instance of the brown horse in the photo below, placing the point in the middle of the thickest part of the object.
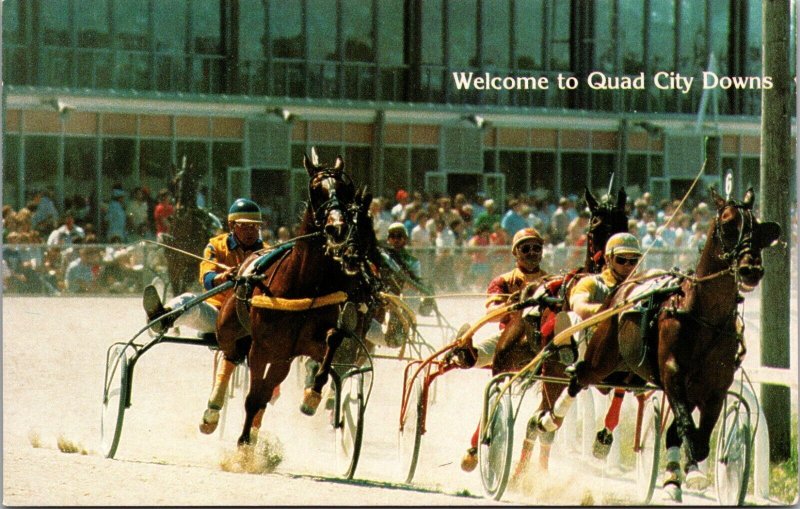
(190, 229)
(524, 336)
(335, 253)
(692, 348)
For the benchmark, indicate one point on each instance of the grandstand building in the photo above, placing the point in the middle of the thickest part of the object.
(105, 91)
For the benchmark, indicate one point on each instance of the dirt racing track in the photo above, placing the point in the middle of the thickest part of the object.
(53, 369)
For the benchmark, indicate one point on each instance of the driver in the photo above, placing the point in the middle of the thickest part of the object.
(622, 254)
(229, 249)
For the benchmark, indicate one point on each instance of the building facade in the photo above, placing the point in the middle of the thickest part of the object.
(105, 91)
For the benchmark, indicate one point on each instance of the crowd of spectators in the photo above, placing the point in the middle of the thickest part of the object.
(463, 241)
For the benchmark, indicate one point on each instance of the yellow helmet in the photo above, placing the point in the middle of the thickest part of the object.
(526, 234)
(623, 243)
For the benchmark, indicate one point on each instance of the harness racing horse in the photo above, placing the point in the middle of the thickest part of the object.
(305, 303)
(692, 348)
(518, 342)
(190, 229)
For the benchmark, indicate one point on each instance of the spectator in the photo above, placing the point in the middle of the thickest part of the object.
(489, 216)
(284, 235)
(116, 217)
(65, 234)
(478, 248)
(401, 197)
(419, 234)
(652, 237)
(559, 221)
(80, 209)
(513, 220)
(380, 219)
(82, 274)
(163, 213)
(45, 218)
(136, 210)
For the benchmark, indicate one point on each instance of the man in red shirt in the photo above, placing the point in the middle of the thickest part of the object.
(162, 213)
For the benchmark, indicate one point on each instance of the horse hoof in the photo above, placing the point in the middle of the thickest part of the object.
(602, 444)
(210, 421)
(470, 460)
(696, 480)
(673, 492)
(311, 400)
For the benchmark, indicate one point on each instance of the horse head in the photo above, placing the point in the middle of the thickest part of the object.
(741, 237)
(331, 195)
(361, 244)
(608, 218)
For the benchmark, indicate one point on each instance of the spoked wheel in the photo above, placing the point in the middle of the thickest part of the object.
(497, 442)
(115, 396)
(648, 449)
(350, 428)
(410, 437)
(734, 452)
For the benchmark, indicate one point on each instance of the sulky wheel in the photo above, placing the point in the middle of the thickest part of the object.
(350, 428)
(734, 452)
(496, 444)
(115, 396)
(410, 437)
(648, 449)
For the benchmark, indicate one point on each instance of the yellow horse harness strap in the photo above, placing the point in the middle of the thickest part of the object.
(279, 303)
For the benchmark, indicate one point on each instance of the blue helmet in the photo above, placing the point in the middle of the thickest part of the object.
(244, 211)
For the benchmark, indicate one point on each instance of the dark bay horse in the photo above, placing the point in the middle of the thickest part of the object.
(517, 346)
(692, 349)
(335, 253)
(190, 229)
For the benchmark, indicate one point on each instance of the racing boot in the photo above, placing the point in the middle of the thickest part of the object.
(602, 444)
(470, 460)
(154, 309)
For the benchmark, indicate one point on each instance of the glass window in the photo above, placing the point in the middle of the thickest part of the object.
(196, 153)
(154, 164)
(751, 173)
(496, 29)
(395, 170)
(391, 34)
(560, 38)
(118, 158)
(131, 20)
(636, 177)
(357, 163)
(286, 28)
(10, 169)
(528, 32)
(462, 31)
(41, 154)
(432, 43)
(169, 21)
(423, 160)
(513, 166)
(574, 169)
(357, 30)
(14, 22)
(252, 29)
(631, 37)
(662, 35)
(92, 23)
(206, 27)
(720, 32)
(223, 156)
(543, 173)
(604, 30)
(692, 57)
(55, 24)
(603, 165)
(80, 161)
(321, 16)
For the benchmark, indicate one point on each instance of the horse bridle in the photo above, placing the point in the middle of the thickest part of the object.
(744, 244)
(322, 210)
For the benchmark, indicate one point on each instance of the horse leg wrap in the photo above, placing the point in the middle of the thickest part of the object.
(225, 369)
(612, 417)
(696, 479)
(552, 420)
(257, 421)
(311, 400)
